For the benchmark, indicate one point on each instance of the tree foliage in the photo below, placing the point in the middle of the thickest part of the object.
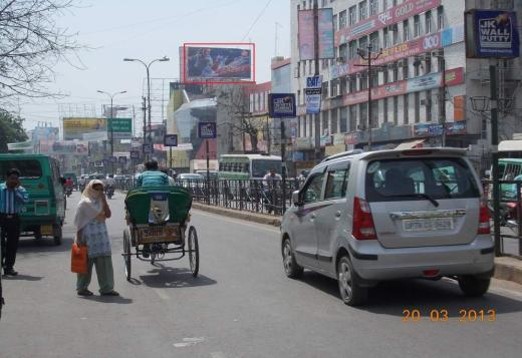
(11, 130)
(31, 42)
(236, 103)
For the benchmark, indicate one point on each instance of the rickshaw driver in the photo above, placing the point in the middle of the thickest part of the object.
(152, 176)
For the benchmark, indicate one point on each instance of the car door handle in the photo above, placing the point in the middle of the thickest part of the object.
(338, 214)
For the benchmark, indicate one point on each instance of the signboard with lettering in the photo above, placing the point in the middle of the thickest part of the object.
(491, 34)
(134, 154)
(281, 105)
(313, 94)
(147, 148)
(170, 140)
(207, 130)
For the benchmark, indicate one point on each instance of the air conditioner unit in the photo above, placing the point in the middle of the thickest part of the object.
(425, 102)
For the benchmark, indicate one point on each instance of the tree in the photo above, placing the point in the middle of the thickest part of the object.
(31, 44)
(11, 130)
(235, 102)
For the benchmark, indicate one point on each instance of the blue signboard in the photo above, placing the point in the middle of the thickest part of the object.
(491, 34)
(207, 130)
(170, 140)
(281, 105)
(147, 148)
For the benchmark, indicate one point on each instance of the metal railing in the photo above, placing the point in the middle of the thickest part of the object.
(256, 195)
(510, 217)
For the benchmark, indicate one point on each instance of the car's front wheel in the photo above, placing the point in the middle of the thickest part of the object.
(474, 286)
(292, 268)
(351, 293)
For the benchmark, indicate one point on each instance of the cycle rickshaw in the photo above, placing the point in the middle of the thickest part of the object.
(158, 227)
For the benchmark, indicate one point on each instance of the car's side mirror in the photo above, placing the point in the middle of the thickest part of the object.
(295, 198)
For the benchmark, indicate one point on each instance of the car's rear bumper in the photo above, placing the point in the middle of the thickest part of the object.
(372, 261)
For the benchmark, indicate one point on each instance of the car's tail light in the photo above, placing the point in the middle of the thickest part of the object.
(484, 226)
(363, 227)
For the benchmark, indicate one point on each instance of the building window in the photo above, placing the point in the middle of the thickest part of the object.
(416, 97)
(385, 76)
(298, 7)
(298, 96)
(333, 118)
(396, 110)
(375, 114)
(440, 18)
(323, 3)
(352, 49)
(334, 19)
(353, 118)
(428, 104)
(385, 110)
(325, 118)
(343, 81)
(427, 64)
(333, 87)
(374, 41)
(417, 63)
(363, 10)
(395, 72)
(324, 90)
(405, 69)
(416, 26)
(385, 38)
(343, 125)
(394, 29)
(363, 80)
(406, 108)
(363, 42)
(342, 19)
(429, 22)
(374, 7)
(374, 78)
(343, 52)
(352, 83)
(363, 116)
(406, 30)
(352, 15)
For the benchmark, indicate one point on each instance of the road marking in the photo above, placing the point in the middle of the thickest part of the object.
(238, 221)
(187, 342)
(162, 294)
(218, 355)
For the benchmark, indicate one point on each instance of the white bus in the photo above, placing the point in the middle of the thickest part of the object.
(248, 166)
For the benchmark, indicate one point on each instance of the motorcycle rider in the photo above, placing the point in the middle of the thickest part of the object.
(111, 185)
(270, 185)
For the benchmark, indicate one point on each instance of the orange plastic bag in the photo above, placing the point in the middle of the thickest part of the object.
(79, 259)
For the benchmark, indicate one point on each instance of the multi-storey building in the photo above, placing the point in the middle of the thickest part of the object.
(423, 86)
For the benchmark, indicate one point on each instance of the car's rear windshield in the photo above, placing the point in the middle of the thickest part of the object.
(29, 169)
(411, 179)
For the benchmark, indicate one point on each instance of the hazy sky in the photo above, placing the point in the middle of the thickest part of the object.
(115, 29)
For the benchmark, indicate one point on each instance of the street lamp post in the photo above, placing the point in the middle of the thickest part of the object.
(111, 96)
(147, 68)
(369, 56)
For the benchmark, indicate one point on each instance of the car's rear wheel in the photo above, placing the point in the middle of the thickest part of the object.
(351, 293)
(474, 286)
(57, 234)
(292, 268)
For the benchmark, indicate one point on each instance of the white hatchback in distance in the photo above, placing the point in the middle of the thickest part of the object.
(392, 214)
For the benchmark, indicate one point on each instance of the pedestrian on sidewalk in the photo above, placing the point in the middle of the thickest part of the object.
(91, 230)
(12, 197)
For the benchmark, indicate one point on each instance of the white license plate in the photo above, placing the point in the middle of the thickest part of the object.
(434, 224)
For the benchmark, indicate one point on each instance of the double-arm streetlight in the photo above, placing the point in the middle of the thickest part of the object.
(111, 96)
(147, 67)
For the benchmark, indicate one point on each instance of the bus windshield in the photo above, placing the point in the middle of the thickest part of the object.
(262, 166)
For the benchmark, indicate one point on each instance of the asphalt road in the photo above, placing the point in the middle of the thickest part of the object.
(242, 305)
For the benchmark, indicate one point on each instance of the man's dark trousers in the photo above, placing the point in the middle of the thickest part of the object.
(10, 227)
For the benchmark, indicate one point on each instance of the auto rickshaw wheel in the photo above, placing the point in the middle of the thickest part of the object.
(193, 248)
(127, 253)
(57, 234)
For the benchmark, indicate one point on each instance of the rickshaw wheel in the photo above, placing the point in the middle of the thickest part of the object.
(127, 251)
(193, 247)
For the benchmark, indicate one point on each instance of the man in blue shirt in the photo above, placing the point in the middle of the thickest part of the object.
(12, 198)
(152, 176)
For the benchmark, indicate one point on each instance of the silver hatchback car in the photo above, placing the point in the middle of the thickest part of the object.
(392, 214)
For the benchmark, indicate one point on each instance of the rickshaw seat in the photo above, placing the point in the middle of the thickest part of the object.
(137, 203)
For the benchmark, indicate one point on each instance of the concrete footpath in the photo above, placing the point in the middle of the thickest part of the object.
(506, 267)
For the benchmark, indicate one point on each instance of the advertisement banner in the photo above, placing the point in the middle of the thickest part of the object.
(170, 140)
(75, 128)
(217, 63)
(386, 18)
(25, 146)
(281, 105)
(456, 128)
(423, 83)
(71, 147)
(491, 34)
(313, 94)
(306, 34)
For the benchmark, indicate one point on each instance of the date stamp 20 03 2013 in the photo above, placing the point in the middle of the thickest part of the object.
(465, 315)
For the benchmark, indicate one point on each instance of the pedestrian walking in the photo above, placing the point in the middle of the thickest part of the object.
(91, 230)
(12, 197)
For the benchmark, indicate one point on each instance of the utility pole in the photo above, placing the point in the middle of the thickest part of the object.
(494, 156)
(317, 127)
(369, 56)
(144, 109)
(442, 99)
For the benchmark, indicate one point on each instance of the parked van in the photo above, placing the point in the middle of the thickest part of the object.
(44, 214)
(391, 214)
